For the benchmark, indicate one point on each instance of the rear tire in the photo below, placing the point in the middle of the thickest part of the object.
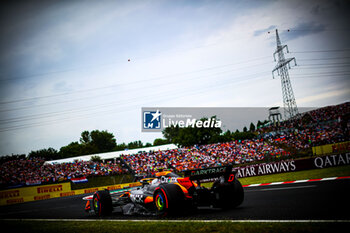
(169, 199)
(228, 195)
(102, 203)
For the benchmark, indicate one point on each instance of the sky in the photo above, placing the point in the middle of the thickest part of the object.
(70, 66)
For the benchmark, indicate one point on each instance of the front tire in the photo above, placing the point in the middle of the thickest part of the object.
(102, 203)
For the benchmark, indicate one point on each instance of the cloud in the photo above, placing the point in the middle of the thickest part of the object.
(261, 31)
(302, 29)
(324, 95)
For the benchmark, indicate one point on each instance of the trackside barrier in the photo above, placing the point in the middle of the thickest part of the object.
(42, 192)
(341, 147)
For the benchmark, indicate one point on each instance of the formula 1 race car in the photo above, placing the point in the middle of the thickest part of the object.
(169, 194)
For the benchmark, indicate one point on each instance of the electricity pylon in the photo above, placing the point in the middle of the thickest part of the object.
(290, 106)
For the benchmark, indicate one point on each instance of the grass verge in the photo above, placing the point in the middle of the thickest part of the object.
(177, 227)
(300, 175)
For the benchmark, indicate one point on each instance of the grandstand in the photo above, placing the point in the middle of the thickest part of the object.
(286, 140)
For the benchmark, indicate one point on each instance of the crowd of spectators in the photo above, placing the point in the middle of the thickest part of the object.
(317, 127)
(34, 171)
(321, 126)
(181, 159)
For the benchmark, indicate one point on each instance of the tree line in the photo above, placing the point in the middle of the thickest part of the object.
(93, 142)
(190, 136)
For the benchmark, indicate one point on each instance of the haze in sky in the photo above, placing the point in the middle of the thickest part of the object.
(70, 66)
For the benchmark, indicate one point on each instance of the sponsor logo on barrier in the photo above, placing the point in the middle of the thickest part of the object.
(134, 184)
(66, 194)
(265, 168)
(9, 194)
(90, 190)
(114, 187)
(293, 165)
(37, 198)
(332, 160)
(50, 189)
(13, 201)
(341, 147)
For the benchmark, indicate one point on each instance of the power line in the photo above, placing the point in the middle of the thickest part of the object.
(322, 51)
(129, 89)
(81, 109)
(89, 115)
(112, 86)
(323, 59)
(131, 83)
(87, 108)
(323, 74)
(327, 64)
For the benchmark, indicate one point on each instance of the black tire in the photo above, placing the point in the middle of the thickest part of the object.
(169, 199)
(102, 203)
(228, 195)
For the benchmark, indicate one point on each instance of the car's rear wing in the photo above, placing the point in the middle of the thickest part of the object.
(212, 172)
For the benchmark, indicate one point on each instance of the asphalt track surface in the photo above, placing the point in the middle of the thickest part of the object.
(322, 200)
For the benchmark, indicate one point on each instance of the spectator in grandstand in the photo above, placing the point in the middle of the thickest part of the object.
(33, 171)
(318, 127)
(202, 156)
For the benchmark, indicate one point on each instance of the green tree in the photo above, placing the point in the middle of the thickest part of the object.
(47, 154)
(189, 136)
(252, 127)
(171, 133)
(226, 137)
(160, 141)
(135, 144)
(85, 137)
(148, 144)
(71, 150)
(258, 125)
(120, 147)
(103, 141)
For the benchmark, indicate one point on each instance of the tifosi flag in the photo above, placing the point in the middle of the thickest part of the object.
(79, 180)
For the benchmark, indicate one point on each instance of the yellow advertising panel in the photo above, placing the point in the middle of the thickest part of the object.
(331, 148)
(42, 192)
(33, 193)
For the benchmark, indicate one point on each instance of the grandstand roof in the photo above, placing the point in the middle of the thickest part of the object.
(112, 155)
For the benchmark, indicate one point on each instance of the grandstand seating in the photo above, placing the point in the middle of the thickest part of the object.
(321, 126)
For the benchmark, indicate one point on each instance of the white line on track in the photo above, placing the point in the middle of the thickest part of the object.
(296, 187)
(296, 181)
(145, 220)
(285, 188)
(301, 181)
(276, 183)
